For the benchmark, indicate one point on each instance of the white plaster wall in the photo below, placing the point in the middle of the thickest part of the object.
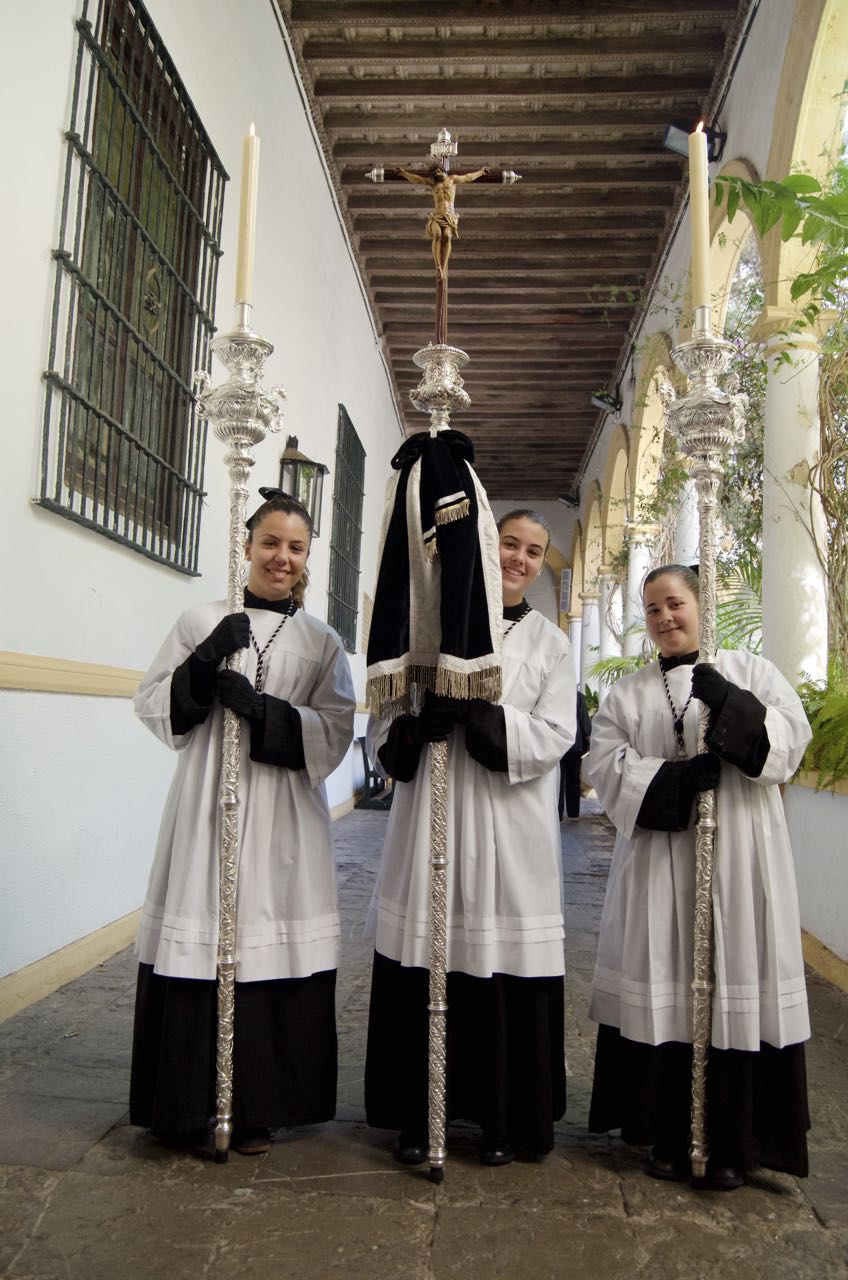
(71, 593)
(82, 791)
(817, 823)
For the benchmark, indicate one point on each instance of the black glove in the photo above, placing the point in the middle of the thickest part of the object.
(236, 692)
(432, 725)
(702, 773)
(232, 633)
(455, 710)
(709, 685)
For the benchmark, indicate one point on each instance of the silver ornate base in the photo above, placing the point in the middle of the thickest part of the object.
(441, 391)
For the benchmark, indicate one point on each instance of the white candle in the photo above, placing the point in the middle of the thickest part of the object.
(699, 217)
(247, 218)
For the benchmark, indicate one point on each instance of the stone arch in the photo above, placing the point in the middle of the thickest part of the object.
(648, 430)
(616, 495)
(593, 541)
(726, 241)
(575, 604)
(806, 132)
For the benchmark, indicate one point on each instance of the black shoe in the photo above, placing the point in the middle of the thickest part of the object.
(661, 1165)
(410, 1148)
(251, 1142)
(724, 1177)
(495, 1155)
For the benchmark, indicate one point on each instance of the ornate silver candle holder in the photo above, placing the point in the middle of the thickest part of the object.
(240, 413)
(441, 391)
(706, 422)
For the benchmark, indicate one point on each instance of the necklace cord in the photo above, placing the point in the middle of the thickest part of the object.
(260, 653)
(677, 717)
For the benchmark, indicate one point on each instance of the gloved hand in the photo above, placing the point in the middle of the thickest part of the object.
(709, 685)
(432, 725)
(232, 633)
(456, 710)
(702, 773)
(236, 692)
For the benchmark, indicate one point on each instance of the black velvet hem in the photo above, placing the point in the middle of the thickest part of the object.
(277, 738)
(757, 1112)
(738, 732)
(485, 736)
(399, 755)
(284, 1052)
(192, 694)
(505, 1054)
(667, 803)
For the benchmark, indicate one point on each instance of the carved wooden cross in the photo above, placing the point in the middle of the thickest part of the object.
(442, 226)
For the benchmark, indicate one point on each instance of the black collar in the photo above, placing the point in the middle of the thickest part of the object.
(276, 606)
(682, 660)
(514, 611)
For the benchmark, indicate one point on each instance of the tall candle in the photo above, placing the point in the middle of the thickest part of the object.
(247, 218)
(699, 217)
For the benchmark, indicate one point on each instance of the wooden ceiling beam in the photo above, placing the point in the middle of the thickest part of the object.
(419, 126)
(314, 14)
(551, 49)
(445, 89)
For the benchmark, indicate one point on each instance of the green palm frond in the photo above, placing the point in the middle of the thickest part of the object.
(739, 607)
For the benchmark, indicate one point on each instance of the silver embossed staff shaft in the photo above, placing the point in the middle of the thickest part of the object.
(707, 422)
(241, 413)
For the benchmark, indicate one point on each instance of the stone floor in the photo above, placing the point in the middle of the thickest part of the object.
(86, 1197)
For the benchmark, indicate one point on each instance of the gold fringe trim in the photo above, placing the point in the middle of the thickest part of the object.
(397, 691)
(391, 692)
(484, 684)
(431, 549)
(456, 511)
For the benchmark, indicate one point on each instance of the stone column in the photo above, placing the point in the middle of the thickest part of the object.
(641, 540)
(575, 628)
(687, 527)
(794, 582)
(589, 638)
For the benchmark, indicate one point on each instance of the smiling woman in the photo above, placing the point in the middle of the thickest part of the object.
(277, 549)
(505, 1053)
(294, 690)
(645, 766)
(524, 540)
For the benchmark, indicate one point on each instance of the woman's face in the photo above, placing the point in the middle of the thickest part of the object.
(277, 553)
(523, 544)
(671, 615)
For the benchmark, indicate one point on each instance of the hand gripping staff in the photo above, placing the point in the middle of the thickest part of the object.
(240, 413)
(707, 421)
(440, 557)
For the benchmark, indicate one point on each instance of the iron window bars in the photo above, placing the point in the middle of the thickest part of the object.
(136, 271)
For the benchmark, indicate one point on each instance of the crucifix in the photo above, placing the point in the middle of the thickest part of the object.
(442, 226)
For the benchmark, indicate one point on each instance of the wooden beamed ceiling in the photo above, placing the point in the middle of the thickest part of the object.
(549, 276)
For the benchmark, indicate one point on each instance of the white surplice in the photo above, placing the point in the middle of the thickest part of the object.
(645, 950)
(287, 919)
(504, 872)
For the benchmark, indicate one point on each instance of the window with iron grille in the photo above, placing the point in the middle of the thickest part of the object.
(347, 531)
(136, 271)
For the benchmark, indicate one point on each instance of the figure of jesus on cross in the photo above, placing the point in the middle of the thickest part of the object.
(443, 222)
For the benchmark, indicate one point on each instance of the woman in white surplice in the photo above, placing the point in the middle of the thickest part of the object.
(643, 766)
(295, 696)
(506, 1066)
